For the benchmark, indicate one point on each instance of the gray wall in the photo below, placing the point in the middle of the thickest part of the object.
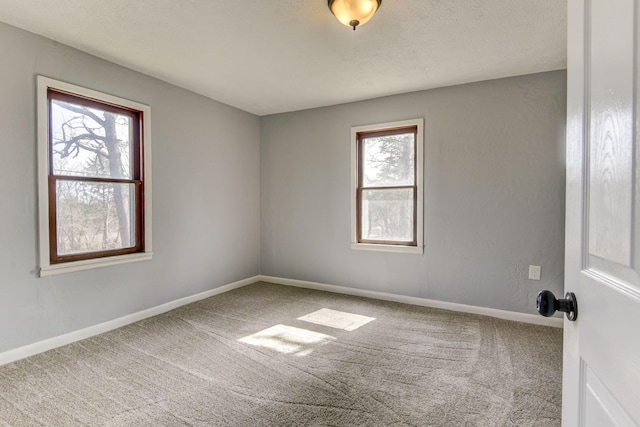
(206, 162)
(494, 194)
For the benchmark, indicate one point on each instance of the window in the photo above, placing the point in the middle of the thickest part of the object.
(94, 179)
(387, 187)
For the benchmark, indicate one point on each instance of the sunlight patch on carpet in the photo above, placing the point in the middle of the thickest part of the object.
(337, 319)
(287, 339)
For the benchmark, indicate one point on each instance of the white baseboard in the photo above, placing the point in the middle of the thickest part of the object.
(555, 322)
(59, 341)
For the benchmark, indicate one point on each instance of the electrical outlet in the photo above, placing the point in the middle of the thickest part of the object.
(534, 272)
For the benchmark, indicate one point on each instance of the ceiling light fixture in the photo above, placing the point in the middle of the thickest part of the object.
(354, 12)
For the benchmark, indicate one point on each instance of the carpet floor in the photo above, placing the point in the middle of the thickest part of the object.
(271, 355)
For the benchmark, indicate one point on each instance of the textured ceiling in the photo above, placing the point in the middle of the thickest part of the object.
(268, 56)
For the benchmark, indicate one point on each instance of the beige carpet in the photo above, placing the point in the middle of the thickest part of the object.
(270, 355)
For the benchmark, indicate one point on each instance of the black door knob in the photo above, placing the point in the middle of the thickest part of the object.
(547, 304)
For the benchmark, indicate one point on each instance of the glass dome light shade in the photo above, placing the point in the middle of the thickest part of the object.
(353, 13)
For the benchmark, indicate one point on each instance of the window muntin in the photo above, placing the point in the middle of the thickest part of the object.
(387, 187)
(93, 179)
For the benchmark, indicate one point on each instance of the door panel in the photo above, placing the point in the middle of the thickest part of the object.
(601, 408)
(611, 84)
(609, 341)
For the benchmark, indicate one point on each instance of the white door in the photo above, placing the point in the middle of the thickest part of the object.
(602, 348)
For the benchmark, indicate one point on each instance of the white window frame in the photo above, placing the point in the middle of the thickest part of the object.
(419, 248)
(45, 268)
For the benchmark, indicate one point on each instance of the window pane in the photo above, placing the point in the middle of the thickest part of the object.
(94, 217)
(388, 160)
(90, 142)
(387, 215)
